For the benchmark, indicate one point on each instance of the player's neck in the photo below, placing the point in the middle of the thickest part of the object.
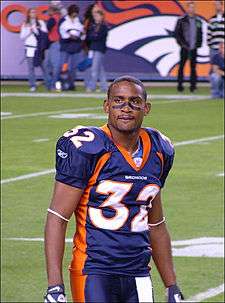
(127, 140)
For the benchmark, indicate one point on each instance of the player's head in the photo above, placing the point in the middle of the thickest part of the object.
(126, 104)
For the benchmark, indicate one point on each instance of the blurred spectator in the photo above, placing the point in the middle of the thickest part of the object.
(215, 33)
(88, 20)
(33, 33)
(96, 37)
(71, 33)
(188, 33)
(58, 4)
(217, 75)
(52, 60)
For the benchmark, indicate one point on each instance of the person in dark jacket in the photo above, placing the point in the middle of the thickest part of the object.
(188, 33)
(71, 35)
(52, 59)
(96, 39)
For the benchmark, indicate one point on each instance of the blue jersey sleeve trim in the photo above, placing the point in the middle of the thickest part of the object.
(75, 165)
(164, 146)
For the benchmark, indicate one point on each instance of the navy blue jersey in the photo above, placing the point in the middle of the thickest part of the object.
(111, 218)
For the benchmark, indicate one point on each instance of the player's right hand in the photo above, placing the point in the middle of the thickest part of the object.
(55, 294)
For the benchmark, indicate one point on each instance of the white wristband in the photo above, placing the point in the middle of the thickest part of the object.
(158, 223)
(57, 214)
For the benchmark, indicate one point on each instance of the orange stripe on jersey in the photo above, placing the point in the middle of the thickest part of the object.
(146, 147)
(80, 245)
(77, 279)
(160, 155)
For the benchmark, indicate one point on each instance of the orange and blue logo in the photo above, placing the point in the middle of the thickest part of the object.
(145, 30)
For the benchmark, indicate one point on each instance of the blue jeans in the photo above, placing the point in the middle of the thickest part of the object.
(97, 72)
(52, 64)
(72, 60)
(217, 86)
(212, 53)
(31, 72)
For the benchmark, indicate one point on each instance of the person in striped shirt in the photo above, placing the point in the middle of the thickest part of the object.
(215, 33)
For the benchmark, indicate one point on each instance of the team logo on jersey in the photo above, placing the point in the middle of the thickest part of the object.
(62, 154)
(146, 29)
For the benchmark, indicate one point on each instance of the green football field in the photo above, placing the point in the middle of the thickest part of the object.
(192, 198)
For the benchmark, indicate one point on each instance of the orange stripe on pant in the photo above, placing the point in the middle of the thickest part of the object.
(77, 280)
(77, 285)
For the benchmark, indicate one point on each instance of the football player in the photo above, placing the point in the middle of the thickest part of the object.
(111, 178)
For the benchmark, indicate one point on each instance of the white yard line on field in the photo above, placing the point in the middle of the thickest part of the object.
(198, 241)
(52, 113)
(95, 95)
(40, 140)
(53, 96)
(197, 141)
(67, 240)
(5, 114)
(50, 171)
(28, 176)
(209, 293)
(220, 175)
(172, 98)
(207, 247)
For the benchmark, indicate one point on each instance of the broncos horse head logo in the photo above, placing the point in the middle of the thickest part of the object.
(145, 29)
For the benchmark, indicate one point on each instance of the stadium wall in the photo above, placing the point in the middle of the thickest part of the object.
(140, 40)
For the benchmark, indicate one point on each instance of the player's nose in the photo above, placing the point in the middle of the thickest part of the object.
(126, 107)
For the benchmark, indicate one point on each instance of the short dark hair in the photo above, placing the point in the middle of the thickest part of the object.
(130, 79)
(73, 9)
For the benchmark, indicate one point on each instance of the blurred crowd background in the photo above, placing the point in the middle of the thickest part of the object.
(94, 41)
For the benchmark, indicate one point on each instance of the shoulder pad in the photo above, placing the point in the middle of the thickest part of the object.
(86, 139)
(163, 142)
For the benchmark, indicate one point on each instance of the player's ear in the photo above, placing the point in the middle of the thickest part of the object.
(106, 106)
(147, 108)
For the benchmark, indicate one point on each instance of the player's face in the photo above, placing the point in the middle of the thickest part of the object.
(126, 107)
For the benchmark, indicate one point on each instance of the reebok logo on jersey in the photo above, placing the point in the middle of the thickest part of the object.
(62, 154)
(136, 177)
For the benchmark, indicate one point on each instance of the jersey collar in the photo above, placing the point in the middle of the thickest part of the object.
(127, 156)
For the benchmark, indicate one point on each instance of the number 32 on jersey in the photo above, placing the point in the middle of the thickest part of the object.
(117, 191)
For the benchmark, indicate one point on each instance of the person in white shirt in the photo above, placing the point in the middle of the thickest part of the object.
(216, 29)
(71, 35)
(30, 30)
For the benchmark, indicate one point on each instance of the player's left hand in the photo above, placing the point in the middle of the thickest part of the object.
(173, 294)
(55, 294)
